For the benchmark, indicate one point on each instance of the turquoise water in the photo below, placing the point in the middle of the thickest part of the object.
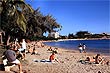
(97, 46)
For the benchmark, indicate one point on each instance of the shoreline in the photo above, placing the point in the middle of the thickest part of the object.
(74, 49)
(69, 62)
(84, 39)
(77, 51)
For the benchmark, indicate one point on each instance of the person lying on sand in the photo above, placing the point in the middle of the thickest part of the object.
(97, 60)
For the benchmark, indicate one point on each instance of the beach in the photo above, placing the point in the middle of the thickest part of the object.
(68, 62)
(54, 36)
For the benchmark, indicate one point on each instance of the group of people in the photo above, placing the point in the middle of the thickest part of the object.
(53, 57)
(15, 48)
(32, 50)
(55, 50)
(13, 51)
(82, 48)
(31, 47)
(97, 60)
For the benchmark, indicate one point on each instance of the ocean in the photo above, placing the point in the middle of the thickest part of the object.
(97, 46)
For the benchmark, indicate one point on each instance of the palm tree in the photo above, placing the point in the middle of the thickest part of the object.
(19, 19)
(51, 23)
(12, 17)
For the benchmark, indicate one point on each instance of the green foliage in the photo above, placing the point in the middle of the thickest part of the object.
(86, 35)
(12, 15)
(82, 34)
(70, 36)
(35, 38)
(39, 23)
(21, 20)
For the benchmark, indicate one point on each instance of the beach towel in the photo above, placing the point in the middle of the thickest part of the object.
(42, 61)
(86, 62)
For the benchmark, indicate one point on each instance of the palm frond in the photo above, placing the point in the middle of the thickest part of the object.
(21, 21)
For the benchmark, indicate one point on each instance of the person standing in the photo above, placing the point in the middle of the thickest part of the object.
(23, 45)
(84, 48)
(80, 48)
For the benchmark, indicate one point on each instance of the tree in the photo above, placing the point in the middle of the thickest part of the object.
(39, 24)
(83, 34)
(70, 36)
(19, 20)
(12, 18)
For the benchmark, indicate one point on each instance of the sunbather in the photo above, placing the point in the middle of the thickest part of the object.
(55, 50)
(30, 49)
(97, 60)
(34, 52)
(53, 57)
(49, 49)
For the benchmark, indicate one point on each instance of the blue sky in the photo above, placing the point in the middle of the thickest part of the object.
(77, 15)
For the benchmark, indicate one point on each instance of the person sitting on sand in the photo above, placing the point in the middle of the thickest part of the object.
(21, 52)
(55, 50)
(53, 57)
(49, 49)
(42, 45)
(98, 59)
(30, 50)
(34, 52)
(11, 57)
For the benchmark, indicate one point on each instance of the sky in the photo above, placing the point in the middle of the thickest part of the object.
(77, 15)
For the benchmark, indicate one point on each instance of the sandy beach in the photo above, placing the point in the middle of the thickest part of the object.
(68, 63)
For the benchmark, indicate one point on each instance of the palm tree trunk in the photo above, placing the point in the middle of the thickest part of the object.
(8, 40)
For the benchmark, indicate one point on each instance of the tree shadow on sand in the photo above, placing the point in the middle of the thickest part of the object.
(2, 67)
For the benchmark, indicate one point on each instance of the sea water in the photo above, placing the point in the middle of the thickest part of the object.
(97, 46)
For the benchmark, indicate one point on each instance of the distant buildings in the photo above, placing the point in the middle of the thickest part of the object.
(105, 35)
(53, 35)
(80, 35)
